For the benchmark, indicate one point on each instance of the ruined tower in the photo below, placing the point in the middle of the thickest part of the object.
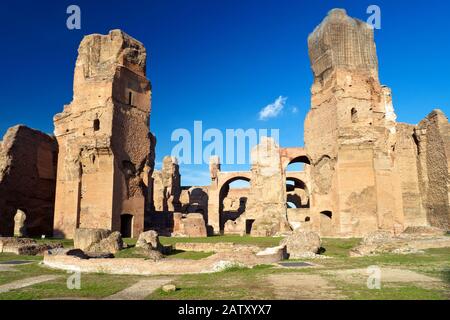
(350, 133)
(104, 139)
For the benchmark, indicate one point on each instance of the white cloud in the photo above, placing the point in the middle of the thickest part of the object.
(273, 110)
(294, 110)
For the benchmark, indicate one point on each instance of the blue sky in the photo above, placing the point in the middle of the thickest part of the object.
(218, 61)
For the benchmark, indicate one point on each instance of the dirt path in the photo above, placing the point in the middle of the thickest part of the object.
(300, 286)
(139, 290)
(388, 275)
(6, 268)
(19, 284)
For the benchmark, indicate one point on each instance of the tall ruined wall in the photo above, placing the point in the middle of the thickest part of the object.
(214, 195)
(267, 199)
(433, 137)
(406, 154)
(27, 180)
(350, 133)
(104, 138)
(167, 186)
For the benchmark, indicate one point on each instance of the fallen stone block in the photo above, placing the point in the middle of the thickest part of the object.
(85, 237)
(302, 244)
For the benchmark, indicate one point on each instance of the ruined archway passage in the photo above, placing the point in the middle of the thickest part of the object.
(297, 194)
(233, 200)
(291, 156)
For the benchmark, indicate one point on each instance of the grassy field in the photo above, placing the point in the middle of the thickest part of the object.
(258, 241)
(259, 283)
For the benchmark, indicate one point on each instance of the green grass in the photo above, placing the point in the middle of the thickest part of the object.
(12, 256)
(131, 252)
(408, 292)
(67, 243)
(234, 284)
(258, 241)
(339, 248)
(129, 241)
(25, 271)
(91, 286)
(391, 292)
(244, 283)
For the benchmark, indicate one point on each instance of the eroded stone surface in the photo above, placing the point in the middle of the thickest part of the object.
(25, 246)
(27, 182)
(382, 242)
(191, 225)
(104, 139)
(301, 244)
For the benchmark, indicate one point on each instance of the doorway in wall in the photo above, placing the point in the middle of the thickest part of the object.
(248, 226)
(126, 225)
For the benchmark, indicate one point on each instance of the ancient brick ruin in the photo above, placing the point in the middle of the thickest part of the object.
(362, 170)
(104, 158)
(27, 182)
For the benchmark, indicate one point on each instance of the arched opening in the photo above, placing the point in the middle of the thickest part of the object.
(233, 199)
(198, 202)
(354, 115)
(19, 223)
(298, 164)
(297, 195)
(126, 225)
(326, 223)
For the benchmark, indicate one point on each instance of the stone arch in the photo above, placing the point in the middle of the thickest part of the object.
(300, 159)
(291, 156)
(297, 192)
(226, 178)
(198, 202)
(226, 214)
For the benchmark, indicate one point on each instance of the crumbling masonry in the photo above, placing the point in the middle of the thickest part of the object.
(363, 171)
(104, 140)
